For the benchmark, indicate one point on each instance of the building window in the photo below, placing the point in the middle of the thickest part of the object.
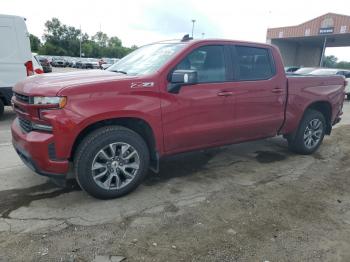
(307, 32)
(343, 29)
(280, 34)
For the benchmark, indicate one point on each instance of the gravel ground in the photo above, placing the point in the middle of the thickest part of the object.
(249, 202)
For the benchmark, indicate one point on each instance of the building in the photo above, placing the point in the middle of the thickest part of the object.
(305, 44)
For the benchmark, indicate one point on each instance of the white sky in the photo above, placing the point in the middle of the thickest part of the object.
(143, 21)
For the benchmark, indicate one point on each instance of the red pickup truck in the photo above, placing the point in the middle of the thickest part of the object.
(112, 125)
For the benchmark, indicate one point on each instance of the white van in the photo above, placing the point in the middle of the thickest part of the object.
(15, 56)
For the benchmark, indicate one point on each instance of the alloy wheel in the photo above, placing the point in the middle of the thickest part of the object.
(115, 166)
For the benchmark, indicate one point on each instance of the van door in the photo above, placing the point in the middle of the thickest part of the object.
(14, 50)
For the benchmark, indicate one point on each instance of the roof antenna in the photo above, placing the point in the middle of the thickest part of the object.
(186, 38)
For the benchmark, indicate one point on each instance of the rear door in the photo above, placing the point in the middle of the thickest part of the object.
(200, 115)
(259, 93)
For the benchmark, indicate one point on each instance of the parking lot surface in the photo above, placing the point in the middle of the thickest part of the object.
(248, 202)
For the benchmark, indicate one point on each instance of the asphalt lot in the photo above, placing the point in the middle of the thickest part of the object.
(248, 202)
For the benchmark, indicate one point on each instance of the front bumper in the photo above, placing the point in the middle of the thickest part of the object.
(33, 149)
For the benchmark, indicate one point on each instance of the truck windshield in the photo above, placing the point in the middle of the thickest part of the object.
(147, 59)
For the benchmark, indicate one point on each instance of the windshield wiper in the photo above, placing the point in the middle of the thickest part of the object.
(120, 71)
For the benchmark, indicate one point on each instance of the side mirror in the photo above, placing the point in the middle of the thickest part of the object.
(180, 78)
(185, 77)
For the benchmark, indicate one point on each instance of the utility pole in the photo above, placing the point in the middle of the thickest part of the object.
(193, 21)
(323, 51)
(80, 42)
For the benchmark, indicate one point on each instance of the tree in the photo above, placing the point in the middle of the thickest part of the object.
(133, 48)
(114, 42)
(343, 65)
(101, 39)
(61, 39)
(50, 49)
(35, 43)
(330, 61)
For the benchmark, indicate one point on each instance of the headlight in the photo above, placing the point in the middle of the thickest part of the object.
(42, 100)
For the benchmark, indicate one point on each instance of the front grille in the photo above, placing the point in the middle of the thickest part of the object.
(19, 108)
(52, 151)
(22, 98)
(25, 124)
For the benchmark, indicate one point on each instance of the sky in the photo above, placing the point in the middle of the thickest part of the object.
(143, 21)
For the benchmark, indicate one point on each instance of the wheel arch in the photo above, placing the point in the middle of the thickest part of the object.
(138, 125)
(325, 108)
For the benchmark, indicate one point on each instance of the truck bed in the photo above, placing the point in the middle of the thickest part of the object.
(303, 90)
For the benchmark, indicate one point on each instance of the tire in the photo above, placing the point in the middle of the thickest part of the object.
(300, 142)
(90, 162)
(2, 107)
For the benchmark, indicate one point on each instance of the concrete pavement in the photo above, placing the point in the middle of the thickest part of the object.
(31, 205)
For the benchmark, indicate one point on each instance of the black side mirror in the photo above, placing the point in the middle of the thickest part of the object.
(180, 78)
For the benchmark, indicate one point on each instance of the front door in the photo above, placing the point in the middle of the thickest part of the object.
(199, 115)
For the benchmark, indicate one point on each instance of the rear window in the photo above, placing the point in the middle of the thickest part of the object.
(254, 63)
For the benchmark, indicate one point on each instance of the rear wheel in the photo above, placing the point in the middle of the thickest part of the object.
(111, 162)
(310, 134)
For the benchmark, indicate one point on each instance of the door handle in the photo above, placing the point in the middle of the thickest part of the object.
(225, 93)
(277, 90)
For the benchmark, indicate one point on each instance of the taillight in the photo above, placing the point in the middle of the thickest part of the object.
(29, 68)
(38, 71)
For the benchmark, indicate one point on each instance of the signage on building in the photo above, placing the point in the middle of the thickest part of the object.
(326, 31)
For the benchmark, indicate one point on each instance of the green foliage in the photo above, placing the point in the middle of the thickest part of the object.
(35, 43)
(64, 40)
(332, 62)
(343, 65)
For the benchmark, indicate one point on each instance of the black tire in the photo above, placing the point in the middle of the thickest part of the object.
(297, 143)
(2, 107)
(89, 148)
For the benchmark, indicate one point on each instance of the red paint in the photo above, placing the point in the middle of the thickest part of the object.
(29, 68)
(200, 116)
(38, 71)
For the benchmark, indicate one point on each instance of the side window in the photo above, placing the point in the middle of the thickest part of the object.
(208, 61)
(346, 74)
(341, 73)
(254, 63)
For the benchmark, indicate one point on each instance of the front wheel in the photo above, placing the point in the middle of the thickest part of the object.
(310, 133)
(111, 162)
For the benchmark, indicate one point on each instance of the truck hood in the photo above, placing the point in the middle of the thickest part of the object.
(51, 84)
